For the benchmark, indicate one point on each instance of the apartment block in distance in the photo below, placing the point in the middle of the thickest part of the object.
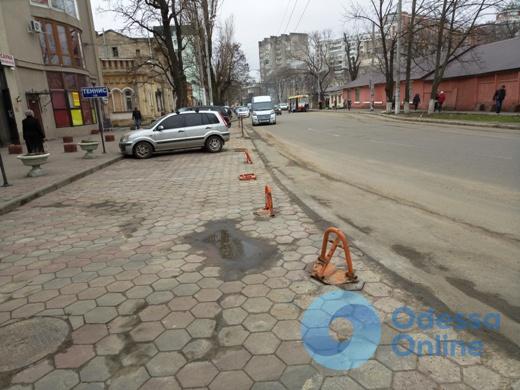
(281, 52)
(47, 52)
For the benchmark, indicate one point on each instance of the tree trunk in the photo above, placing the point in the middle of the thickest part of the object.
(409, 48)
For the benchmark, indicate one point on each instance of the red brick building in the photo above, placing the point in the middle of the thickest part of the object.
(470, 80)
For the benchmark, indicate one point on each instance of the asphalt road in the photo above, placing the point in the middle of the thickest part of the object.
(436, 205)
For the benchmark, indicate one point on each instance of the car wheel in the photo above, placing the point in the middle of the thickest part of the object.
(143, 150)
(214, 144)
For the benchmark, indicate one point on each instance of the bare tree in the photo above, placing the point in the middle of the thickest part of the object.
(455, 22)
(318, 61)
(353, 53)
(164, 19)
(380, 17)
(230, 64)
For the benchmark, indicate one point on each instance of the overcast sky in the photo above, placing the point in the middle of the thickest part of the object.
(257, 19)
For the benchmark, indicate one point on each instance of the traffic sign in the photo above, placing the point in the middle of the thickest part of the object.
(94, 92)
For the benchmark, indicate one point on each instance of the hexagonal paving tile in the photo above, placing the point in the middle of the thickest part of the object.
(197, 349)
(287, 330)
(300, 377)
(257, 305)
(372, 375)
(165, 363)
(206, 310)
(265, 368)
(100, 315)
(233, 300)
(234, 316)
(202, 327)
(74, 357)
(293, 352)
(232, 335)
(261, 343)
(231, 380)
(259, 322)
(186, 289)
(89, 334)
(58, 379)
(231, 358)
(285, 311)
(182, 303)
(255, 290)
(147, 331)
(197, 374)
(172, 340)
(110, 299)
(159, 297)
(281, 295)
(97, 370)
(154, 313)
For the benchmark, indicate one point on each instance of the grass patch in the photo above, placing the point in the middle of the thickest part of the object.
(485, 118)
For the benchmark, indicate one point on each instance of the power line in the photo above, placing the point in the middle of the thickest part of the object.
(284, 15)
(301, 17)
(290, 17)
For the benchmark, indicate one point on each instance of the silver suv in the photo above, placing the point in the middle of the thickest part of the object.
(186, 130)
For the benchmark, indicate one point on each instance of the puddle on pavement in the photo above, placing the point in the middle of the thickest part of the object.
(232, 251)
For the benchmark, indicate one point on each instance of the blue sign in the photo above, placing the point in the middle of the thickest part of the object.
(94, 92)
(332, 353)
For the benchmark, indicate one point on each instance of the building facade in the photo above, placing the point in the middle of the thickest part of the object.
(131, 72)
(281, 52)
(48, 53)
(469, 82)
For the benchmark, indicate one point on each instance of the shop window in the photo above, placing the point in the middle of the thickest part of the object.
(69, 109)
(61, 45)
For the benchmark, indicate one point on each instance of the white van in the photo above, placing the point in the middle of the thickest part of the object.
(262, 111)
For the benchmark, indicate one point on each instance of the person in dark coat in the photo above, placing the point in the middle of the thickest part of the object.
(33, 133)
(137, 117)
(416, 101)
(499, 97)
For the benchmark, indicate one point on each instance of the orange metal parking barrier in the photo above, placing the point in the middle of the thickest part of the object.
(325, 271)
(268, 209)
(249, 160)
(247, 176)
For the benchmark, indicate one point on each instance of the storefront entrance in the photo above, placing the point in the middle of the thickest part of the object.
(8, 128)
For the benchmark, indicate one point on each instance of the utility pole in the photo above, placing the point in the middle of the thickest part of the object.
(398, 57)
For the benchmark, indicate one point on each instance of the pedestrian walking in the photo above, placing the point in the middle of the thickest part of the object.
(498, 97)
(441, 98)
(416, 101)
(137, 117)
(33, 133)
(349, 104)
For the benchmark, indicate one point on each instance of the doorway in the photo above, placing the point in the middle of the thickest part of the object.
(8, 129)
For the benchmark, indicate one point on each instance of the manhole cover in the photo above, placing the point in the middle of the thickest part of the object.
(28, 341)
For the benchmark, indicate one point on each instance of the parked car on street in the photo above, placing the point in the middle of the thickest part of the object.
(222, 110)
(277, 109)
(186, 130)
(242, 112)
(284, 106)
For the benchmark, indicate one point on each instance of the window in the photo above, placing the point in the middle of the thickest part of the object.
(173, 122)
(210, 119)
(67, 6)
(356, 98)
(129, 100)
(60, 44)
(192, 120)
(115, 52)
(137, 53)
(69, 109)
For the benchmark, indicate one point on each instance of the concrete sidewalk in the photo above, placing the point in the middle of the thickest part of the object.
(61, 169)
(157, 274)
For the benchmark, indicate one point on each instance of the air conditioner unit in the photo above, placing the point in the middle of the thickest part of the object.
(35, 26)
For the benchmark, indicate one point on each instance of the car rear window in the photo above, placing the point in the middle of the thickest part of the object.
(210, 119)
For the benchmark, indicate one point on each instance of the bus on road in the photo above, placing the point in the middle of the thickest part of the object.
(299, 103)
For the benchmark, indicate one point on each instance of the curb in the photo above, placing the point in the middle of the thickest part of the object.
(24, 199)
(450, 122)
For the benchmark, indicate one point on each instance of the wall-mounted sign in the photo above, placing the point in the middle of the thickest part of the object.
(94, 92)
(7, 60)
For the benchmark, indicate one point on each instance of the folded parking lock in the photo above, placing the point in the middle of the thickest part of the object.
(326, 272)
